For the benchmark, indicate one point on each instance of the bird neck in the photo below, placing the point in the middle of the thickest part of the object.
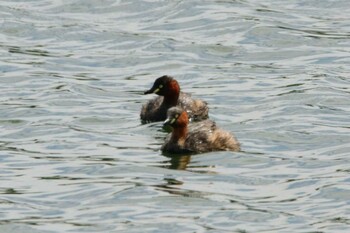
(180, 129)
(172, 96)
(179, 134)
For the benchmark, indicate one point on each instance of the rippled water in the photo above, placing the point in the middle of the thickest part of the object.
(75, 157)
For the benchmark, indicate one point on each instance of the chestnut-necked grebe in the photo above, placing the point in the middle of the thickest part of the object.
(197, 137)
(169, 93)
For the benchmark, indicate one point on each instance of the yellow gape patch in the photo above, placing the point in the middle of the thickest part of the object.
(172, 121)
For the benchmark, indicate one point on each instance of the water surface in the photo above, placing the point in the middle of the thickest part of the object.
(75, 157)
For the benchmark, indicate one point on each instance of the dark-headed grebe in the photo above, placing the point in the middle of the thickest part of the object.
(169, 93)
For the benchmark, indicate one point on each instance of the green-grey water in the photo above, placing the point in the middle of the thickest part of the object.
(74, 156)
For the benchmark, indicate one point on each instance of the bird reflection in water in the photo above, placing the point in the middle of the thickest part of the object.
(177, 162)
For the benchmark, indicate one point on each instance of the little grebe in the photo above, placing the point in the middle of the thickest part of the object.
(169, 93)
(198, 137)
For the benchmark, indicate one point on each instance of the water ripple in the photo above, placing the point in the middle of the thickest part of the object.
(75, 156)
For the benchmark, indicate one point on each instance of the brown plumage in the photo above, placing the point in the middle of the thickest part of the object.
(198, 137)
(169, 93)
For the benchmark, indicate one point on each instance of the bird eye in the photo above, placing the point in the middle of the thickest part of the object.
(177, 115)
(161, 86)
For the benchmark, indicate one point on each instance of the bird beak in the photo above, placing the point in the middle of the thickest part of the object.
(166, 122)
(152, 90)
(169, 121)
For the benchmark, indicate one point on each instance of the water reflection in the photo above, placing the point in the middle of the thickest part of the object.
(178, 162)
(75, 157)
